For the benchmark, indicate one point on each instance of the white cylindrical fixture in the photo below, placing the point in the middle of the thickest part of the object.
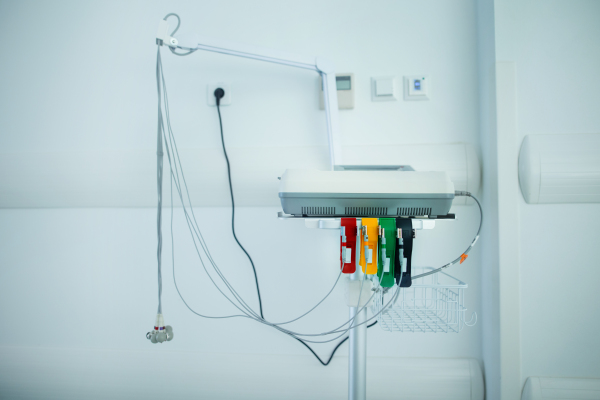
(539, 388)
(560, 168)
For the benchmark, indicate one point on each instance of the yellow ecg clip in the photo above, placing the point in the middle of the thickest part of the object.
(368, 241)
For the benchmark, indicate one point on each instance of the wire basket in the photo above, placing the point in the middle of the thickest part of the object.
(434, 303)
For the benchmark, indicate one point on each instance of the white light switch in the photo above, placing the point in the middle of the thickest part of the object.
(383, 88)
(417, 87)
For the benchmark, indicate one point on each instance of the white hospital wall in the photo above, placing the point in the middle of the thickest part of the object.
(81, 78)
(555, 47)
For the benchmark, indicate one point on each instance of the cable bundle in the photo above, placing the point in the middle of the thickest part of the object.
(166, 142)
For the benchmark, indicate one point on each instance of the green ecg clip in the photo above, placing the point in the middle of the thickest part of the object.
(387, 248)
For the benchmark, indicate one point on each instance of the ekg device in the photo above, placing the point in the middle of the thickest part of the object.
(365, 193)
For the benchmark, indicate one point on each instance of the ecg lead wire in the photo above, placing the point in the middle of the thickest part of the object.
(197, 235)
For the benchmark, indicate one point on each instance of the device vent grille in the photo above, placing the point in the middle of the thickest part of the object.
(366, 211)
(413, 211)
(318, 210)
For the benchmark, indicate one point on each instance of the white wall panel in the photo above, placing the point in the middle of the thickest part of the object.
(560, 168)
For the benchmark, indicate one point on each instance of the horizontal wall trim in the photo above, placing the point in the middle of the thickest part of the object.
(128, 178)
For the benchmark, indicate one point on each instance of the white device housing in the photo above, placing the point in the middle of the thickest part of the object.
(365, 193)
(560, 168)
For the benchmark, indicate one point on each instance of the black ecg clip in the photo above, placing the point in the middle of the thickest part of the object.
(405, 226)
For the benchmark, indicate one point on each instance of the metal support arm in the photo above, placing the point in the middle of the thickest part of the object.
(317, 64)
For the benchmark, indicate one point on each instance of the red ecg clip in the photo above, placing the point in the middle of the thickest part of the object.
(348, 245)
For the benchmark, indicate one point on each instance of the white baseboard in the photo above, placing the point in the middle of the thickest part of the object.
(52, 373)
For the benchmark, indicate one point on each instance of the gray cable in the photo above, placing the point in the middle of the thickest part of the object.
(178, 21)
(176, 170)
(295, 334)
(161, 129)
(159, 180)
(196, 227)
(181, 54)
(351, 320)
(175, 279)
(196, 233)
(194, 240)
(457, 260)
(229, 316)
(357, 325)
(316, 305)
(189, 220)
(175, 176)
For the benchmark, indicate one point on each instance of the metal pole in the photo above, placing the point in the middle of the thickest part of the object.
(357, 357)
(357, 350)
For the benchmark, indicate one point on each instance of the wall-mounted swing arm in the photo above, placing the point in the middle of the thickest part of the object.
(318, 64)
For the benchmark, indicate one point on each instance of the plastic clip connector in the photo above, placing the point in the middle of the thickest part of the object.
(348, 245)
(368, 257)
(387, 252)
(404, 251)
(162, 36)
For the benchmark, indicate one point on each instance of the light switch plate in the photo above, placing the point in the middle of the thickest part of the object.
(383, 88)
(417, 87)
(210, 94)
